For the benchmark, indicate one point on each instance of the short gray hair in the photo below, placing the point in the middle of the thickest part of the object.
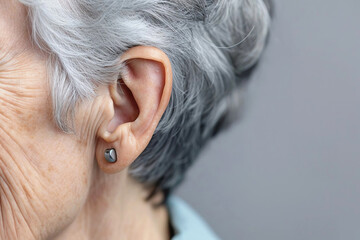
(211, 44)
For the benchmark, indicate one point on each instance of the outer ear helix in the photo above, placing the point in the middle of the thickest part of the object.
(122, 126)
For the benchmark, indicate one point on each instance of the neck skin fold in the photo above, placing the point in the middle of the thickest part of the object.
(116, 208)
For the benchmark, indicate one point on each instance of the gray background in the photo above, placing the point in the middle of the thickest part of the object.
(290, 168)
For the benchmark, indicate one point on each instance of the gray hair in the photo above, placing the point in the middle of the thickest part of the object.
(211, 45)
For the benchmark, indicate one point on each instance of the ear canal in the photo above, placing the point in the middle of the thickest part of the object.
(110, 155)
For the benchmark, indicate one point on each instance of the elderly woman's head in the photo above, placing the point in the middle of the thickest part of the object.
(104, 103)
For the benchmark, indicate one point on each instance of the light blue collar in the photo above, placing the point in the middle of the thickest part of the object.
(188, 225)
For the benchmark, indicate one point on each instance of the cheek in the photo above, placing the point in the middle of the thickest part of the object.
(65, 165)
(47, 172)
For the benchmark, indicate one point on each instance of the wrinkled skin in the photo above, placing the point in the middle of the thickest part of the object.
(34, 154)
(49, 181)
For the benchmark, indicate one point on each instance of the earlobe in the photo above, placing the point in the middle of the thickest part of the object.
(139, 98)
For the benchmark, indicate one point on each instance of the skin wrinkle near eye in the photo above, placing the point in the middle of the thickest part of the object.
(23, 95)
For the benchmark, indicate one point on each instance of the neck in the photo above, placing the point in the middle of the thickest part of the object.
(116, 209)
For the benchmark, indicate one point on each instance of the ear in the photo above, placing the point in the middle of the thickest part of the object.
(139, 98)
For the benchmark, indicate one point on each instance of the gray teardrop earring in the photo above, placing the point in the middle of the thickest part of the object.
(110, 155)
